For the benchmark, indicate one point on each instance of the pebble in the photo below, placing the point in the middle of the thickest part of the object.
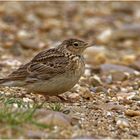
(107, 79)
(26, 100)
(128, 59)
(126, 31)
(85, 93)
(35, 134)
(105, 36)
(15, 105)
(7, 93)
(99, 53)
(123, 89)
(108, 113)
(122, 123)
(87, 72)
(31, 43)
(11, 62)
(107, 68)
(22, 34)
(132, 113)
(74, 96)
(136, 64)
(112, 106)
(125, 95)
(118, 76)
(95, 81)
(56, 119)
(99, 89)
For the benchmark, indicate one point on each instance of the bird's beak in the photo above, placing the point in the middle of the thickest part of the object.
(87, 45)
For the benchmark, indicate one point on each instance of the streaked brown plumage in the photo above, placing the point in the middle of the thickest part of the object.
(53, 71)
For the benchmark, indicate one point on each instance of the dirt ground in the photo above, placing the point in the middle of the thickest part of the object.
(106, 101)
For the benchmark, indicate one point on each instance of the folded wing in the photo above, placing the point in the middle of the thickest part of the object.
(45, 65)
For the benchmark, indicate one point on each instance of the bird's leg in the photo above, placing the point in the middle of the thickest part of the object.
(46, 97)
(63, 99)
(50, 98)
(42, 96)
(56, 98)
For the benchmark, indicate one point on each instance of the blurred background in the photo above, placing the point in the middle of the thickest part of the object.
(114, 28)
(38, 25)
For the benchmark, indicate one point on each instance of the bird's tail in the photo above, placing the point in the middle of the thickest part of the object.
(11, 82)
(7, 82)
(3, 81)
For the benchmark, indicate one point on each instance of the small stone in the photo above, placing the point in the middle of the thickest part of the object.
(128, 59)
(11, 62)
(107, 79)
(15, 105)
(7, 93)
(85, 93)
(108, 114)
(99, 89)
(86, 137)
(95, 81)
(99, 53)
(105, 36)
(8, 44)
(111, 106)
(22, 34)
(100, 58)
(53, 118)
(136, 98)
(136, 64)
(87, 72)
(31, 43)
(132, 113)
(126, 31)
(35, 134)
(123, 89)
(74, 96)
(122, 123)
(26, 100)
(125, 95)
(118, 76)
(108, 68)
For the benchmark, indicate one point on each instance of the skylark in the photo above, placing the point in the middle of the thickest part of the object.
(52, 71)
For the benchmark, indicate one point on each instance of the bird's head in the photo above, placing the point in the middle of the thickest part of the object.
(74, 46)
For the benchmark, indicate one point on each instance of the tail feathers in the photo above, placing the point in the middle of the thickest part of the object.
(9, 82)
(4, 81)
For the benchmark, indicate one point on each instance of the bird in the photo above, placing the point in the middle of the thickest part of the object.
(52, 71)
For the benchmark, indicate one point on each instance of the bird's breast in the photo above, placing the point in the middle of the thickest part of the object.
(62, 82)
(79, 66)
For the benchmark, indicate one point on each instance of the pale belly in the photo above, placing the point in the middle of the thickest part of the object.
(56, 85)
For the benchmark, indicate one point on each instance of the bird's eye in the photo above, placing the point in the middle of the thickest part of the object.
(76, 44)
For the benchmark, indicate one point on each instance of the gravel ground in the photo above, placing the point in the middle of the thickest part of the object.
(106, 101)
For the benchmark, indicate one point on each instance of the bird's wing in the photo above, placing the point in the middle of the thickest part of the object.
(19, 74)
(43, 66)
(47, 65)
